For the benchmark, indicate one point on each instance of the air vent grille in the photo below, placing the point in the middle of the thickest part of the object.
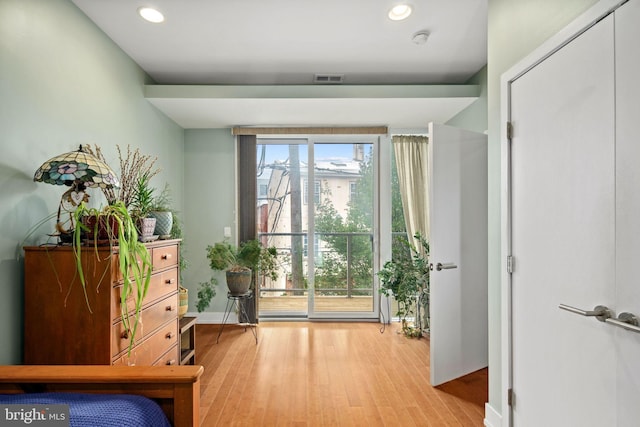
(328, 78)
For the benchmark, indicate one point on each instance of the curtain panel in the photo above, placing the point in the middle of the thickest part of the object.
(411, 152)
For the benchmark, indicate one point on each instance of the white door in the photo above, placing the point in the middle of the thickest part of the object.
(627, 343)
(458, 252)
(564, 204)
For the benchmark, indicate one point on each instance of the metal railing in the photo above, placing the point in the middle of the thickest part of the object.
(345, 259)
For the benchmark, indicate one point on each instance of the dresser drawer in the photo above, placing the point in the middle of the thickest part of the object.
(165, 256)
(115, 266)
(161, 284)
(153, 317)
(146, 353)
(170, 358)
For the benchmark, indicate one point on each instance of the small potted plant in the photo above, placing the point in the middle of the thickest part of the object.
(240, 262)
(160, 209)
(141, 206)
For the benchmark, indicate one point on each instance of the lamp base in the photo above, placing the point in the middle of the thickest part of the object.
(65, 238)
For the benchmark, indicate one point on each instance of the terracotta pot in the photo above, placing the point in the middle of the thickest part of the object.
(104, 232)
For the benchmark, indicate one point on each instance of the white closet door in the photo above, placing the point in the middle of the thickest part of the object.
(627, 18)
(563, 235)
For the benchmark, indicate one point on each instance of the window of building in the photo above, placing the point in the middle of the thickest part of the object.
(316, 191)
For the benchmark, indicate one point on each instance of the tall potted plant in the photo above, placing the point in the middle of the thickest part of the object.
(406, 278)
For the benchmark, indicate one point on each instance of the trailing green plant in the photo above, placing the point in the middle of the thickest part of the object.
(134, 260)
(206, 292)
(406, 278)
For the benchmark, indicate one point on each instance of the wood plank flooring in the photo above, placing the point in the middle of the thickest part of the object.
(328, 374)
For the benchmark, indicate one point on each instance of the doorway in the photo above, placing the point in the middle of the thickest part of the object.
(317, 203)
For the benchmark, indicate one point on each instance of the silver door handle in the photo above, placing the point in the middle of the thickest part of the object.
(600, 312)
(627, 321)
(448, 266)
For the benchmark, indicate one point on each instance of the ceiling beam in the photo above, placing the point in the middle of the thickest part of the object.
(309, 91)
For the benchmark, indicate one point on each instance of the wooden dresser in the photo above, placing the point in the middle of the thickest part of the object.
(60, 328)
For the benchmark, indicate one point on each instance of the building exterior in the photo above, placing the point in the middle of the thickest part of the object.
(285, 200)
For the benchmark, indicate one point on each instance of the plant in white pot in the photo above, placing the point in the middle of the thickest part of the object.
(241, 262)
(160, 209)
(141, 208)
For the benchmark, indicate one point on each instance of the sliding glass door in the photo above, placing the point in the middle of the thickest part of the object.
(322, 221)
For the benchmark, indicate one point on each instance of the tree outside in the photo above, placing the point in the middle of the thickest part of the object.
(351, 238)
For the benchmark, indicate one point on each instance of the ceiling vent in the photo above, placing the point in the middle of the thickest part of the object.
(328, 79)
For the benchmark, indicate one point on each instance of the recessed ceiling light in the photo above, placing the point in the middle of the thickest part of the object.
(151, 15)
(399, 12)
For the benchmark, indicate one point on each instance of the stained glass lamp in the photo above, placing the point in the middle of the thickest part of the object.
(78, 170)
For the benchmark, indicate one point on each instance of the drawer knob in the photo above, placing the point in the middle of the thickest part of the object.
(166, 256)
(170, 281)
(171, 362)
(169, 308)
(169, 335)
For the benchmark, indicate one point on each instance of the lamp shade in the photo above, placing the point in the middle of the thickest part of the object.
(77, 167)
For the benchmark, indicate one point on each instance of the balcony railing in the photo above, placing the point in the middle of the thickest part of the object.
(343, 263)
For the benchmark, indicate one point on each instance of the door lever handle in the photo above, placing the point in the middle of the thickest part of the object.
(626, 321)
(600, 312)
(448, 266)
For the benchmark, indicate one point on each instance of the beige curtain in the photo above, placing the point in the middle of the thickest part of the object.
(411, 162)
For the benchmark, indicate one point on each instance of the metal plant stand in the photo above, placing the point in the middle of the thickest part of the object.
(233, 301)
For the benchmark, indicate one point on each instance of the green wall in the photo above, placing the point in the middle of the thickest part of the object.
(209, 156)
(474, 117)
(516, 28)
(62, 83)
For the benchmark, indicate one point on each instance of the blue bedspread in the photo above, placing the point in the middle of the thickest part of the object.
(99, 410)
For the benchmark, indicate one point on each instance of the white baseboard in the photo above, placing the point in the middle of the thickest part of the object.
(491, 417)
(213, 317)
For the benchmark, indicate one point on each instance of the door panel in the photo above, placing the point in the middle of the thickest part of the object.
(563, 234)
(458, 227)
(627, 207)
(321, 220)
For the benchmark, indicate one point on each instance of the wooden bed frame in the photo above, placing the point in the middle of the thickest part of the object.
(175, 388)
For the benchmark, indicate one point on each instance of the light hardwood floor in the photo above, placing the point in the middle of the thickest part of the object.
(328, 374)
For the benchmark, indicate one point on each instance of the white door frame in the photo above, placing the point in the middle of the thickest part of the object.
(566, 35)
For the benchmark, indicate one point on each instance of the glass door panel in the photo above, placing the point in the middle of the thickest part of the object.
(343, 229)
(282, 223)
(321, 221)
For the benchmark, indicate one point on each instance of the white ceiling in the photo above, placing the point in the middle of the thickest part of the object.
(287, 42)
